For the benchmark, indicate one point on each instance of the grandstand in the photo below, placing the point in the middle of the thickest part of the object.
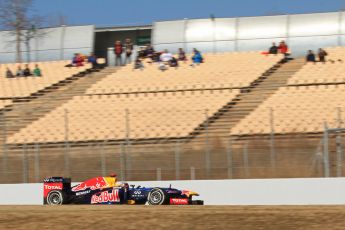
(240, 114)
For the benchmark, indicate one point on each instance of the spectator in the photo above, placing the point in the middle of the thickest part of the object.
(118, 53)
(273, 49)
(310, 56)
(283, 48)
(19, 72)
(128, 50)
(141, 52)
(138, 64)
(77, 61)
(149, 51)
(93, 60)
(165, 56)
(27, 71)
(37, 71)
(9, 73)
(181, 55)
(322, 55)
(173, 62)
(197, 57)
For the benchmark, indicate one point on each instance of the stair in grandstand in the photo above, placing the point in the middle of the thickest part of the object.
(24, 111)
(219, 125)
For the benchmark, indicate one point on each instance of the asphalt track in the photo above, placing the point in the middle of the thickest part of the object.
(168, 217)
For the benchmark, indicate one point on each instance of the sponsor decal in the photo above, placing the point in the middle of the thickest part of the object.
(137, 192)
(51, 187)
(93, 184)
(83, 193)
(178, 201)
(173, 191)
(105, 197)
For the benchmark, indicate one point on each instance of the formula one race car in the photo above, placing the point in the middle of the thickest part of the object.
(106, 190)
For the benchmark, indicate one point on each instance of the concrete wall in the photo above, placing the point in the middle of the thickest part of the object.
(316, 191)
(301, 32)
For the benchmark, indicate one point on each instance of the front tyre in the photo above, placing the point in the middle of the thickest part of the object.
(156, 197)
(56, 197)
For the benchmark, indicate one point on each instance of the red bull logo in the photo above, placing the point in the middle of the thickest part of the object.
(93, 184)
(105, 197)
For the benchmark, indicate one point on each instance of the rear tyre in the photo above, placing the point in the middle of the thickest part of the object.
(56, 197)
(156, 197)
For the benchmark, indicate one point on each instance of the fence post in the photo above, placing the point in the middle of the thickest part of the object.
(339, 146)
(325, 151)
(177, 160)
(4, 146)
(192, 173)
(159, 174)
(245, 160)
(66, 155)
(207, 147)
(122, 162)
(103, 160)
(25, 164)
(229, 160)
(272, 140)
(37, 163)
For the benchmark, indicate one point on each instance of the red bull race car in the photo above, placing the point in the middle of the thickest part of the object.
(106, 190)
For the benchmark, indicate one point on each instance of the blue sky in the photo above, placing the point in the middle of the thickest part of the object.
(134, 12)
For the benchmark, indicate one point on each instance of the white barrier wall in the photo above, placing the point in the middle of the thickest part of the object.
(300, 31)
(316, 191)
(57, 43)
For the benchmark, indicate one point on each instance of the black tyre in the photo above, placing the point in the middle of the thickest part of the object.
(56, 197)
(156, 197)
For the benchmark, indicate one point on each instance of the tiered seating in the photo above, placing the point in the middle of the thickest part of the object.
(52, 73)
(227, 70)
(4, 103)
(103, 117)
(331, 71)
(299, 109)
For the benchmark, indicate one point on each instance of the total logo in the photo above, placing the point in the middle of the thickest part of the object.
(50, 187)
(105, 197)
(178, 201)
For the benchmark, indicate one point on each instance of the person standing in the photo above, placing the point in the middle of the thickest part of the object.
(128, 50)
(118, 49)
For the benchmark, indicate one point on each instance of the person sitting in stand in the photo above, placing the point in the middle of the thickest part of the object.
(273, 49)
(141, 52)
(173, 62)
(27, 71)
(138, 64)
(310, 56)
(197, 57)
(93, 60)
(322, 55)
(181, 55)
(149, 51)
(37, 71)
(9, 73)
(165, 56)
(77, 60)
(19, 72)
